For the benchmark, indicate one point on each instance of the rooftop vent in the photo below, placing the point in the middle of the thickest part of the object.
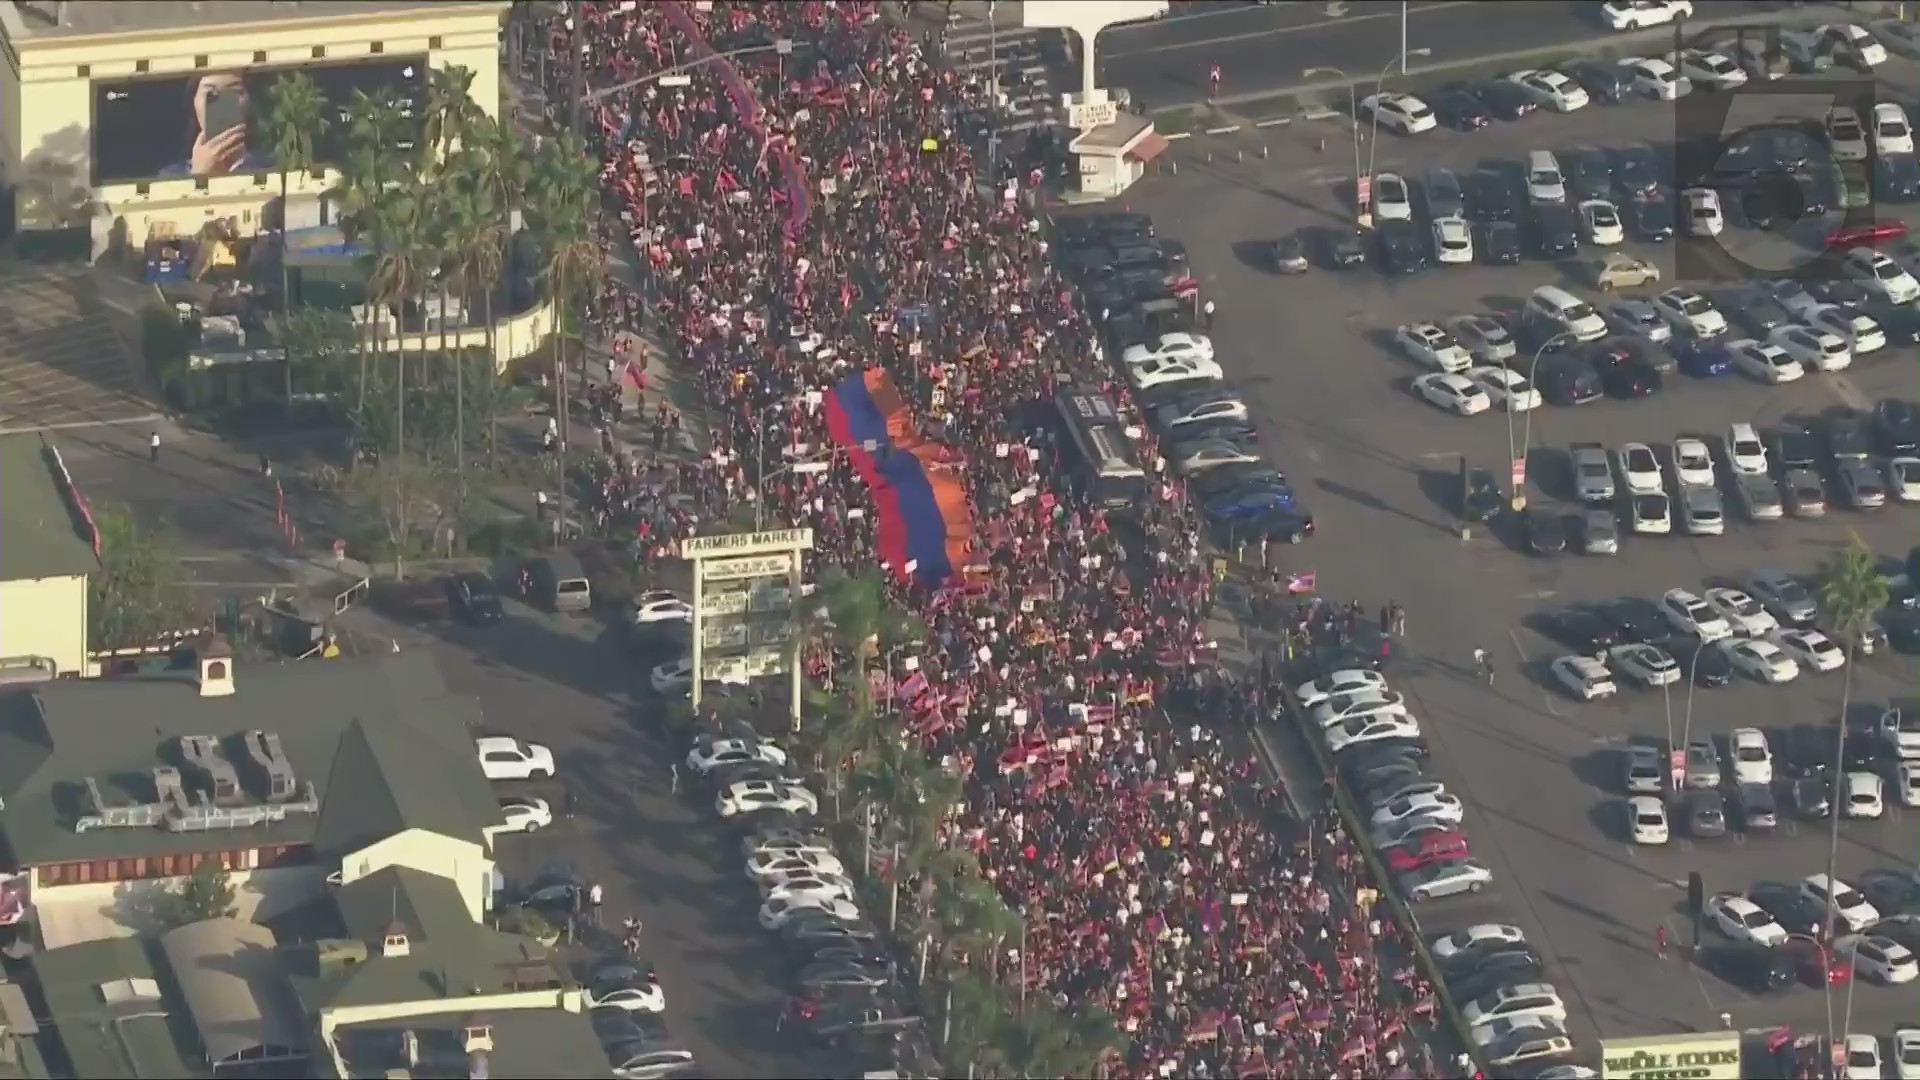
(216, 668)
(169, 792)
(395, 942)
(122, 991)
(477, 1036)
(202, 754)
(270, 763)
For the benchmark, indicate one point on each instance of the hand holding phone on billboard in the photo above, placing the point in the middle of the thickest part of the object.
(220, 105)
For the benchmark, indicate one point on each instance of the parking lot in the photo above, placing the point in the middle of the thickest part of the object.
(1537, 770)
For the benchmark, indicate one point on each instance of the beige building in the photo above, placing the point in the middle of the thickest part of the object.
(136, 118)
(46, 556)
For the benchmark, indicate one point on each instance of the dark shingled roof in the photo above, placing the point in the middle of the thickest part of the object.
(384, 744)
(40, 534)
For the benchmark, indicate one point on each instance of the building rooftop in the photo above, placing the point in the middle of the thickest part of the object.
(229, 973)
(369, 748)
(447, 954)
(534, 1044)
(20, 1057)
(42, 533)
(23, 20)
(111, 1017)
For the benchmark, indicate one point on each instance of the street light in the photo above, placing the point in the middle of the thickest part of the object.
(1519, 500)
(1378, 86)
(1353, 111)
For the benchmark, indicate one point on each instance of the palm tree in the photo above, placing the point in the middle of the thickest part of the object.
(562, 198)
(451, 112)
(472, 245)
(501, 169)
(1851, 592)
(862, 624)
(296, 119)
(377, 124)
(402, 258)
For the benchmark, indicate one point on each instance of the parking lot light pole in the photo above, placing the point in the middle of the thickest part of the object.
(1519, 500)
(1353, 112)
(1378, 86)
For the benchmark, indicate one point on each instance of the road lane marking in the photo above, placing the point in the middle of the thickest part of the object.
(1545, 698)
(1277, 31)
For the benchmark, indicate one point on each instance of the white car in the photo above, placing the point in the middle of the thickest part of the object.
(1545, 182)
(1651, 514)
(1648, 665)
(1403, 113)
(1856, 40)
(1744, 450)
(1761, 661)
(1879, 958)
(762, 865)
(1690, 312)
(1907, 783)
(776, 913)
(1743, 920)
(1198, 457)
(1906, 1053)
(823, 886)
(1846, 136)
(1903, 476)
(1701, 207)
(660, 605)
(1810, 648)
(1474, 938)
(709, 756)
(1432, 804)
(1453, 392)
(1505, 386)
(1891, 133)
(1432, 346)
(1370, 729)
(523, 813)
(1656, 79)
(1863, 1058)
(786, 842)
(1702, 512)
(1752, 758)
(1174, 346)
(639, 1061)
(1337, 683)
(1584, 677)
(1691, 615)
(1647, 820)
(1151, 373)
(1864, 795)
(672, 677)
(1453, 240)
(1747, 616)
(1638, 317)
(1391, 200)
(1793, 296)
(754, 796)
(1693, 462)
(1602, 221)
(1639, 469)
(645, 997)
(1811, 347)
(502, 758)
(1862, 334)
(1710, 69)
(1882, 276)
(1538, 1000)
(1848, 904)
(1485, 338)
(1552, 90)
(1765, 361)
(1639, 14)
(1338, 709)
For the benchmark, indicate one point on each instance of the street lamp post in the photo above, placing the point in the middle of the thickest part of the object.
(1353, 113)
(1518, 454)
(1373, 135)
(677, 74)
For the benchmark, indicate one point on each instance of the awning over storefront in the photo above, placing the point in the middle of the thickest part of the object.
(1150, 146)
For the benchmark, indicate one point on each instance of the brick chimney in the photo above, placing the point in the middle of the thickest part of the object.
(216, 667)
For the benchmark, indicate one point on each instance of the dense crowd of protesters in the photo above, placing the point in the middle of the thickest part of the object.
(808, 215)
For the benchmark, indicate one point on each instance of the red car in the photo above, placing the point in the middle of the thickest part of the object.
(1817, 964)
(1427, 848)
(1870, 235)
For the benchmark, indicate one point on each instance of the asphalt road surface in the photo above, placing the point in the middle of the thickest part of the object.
(1264, 49)
(1377, 468)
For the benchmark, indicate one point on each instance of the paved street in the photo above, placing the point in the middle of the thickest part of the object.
(60, 363)
(1378, 469)
(1264, 49)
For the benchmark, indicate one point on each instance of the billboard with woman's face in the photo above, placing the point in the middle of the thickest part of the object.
(213, 123)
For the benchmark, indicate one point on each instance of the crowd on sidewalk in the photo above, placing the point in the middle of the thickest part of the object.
(789, 210)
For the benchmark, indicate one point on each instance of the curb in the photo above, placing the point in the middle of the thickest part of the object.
(1228, 130)
(1178, 135)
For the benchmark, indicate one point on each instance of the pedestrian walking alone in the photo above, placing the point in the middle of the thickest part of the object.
(596, 895)
(1660, 940)
(673, 775)
(1206, 312)
(153, 446)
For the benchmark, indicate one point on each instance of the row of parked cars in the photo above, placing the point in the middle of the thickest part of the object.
(1514, 1016)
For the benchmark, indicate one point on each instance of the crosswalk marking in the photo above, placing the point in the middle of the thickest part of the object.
(1014, 53)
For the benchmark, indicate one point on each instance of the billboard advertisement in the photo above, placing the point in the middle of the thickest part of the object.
(212, 123)
(1710, 1055)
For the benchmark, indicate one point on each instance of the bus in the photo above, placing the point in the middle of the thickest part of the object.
(1104, 469)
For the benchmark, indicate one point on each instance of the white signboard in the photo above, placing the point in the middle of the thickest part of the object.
(1093, 115)
(700, 547)
(720, 603)
(727, 635)
(738, 669)
(752, 566)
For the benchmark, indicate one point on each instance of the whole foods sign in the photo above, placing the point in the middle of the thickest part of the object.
(1713, 1055)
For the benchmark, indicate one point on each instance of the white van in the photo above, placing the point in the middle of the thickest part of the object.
(1545, 182)
(1565, 313)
